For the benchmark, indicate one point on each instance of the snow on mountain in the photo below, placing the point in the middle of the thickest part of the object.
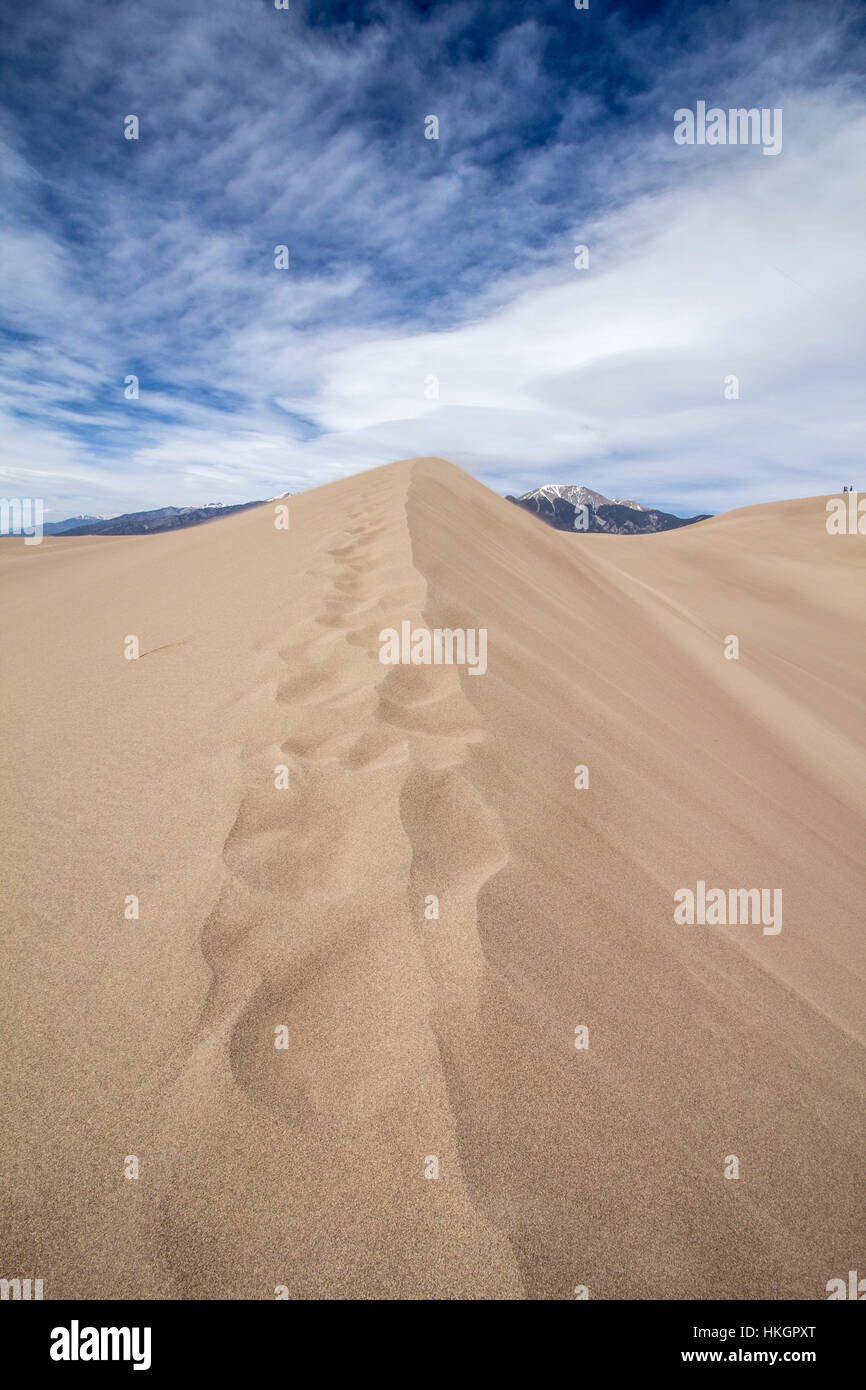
(573, 507)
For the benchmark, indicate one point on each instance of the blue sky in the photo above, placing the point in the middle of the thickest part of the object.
(413, 259)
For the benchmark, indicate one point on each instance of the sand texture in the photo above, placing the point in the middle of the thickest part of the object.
(408, 1038)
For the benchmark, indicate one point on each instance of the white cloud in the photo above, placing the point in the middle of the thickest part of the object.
(413, 258)
(621, 368)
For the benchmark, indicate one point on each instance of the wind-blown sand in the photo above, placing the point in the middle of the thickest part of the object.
(409, 1038)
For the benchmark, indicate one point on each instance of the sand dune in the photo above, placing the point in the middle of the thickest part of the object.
(410, 1038)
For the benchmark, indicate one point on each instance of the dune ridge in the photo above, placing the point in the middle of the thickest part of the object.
(358, 732)
(452, 1038)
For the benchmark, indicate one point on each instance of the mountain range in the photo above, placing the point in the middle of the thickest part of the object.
(571, 507)
(565, 506)
(143, 523)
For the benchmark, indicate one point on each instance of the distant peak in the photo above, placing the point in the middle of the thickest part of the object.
(574, 507)
(579, 496)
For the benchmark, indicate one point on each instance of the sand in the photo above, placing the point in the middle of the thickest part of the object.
(411, 1039)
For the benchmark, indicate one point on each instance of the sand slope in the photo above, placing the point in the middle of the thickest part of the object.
(410, 1038)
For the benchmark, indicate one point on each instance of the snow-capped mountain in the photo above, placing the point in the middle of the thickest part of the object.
(572, 507)
(58, 528)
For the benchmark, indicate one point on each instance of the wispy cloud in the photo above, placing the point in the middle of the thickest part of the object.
(412, 258)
